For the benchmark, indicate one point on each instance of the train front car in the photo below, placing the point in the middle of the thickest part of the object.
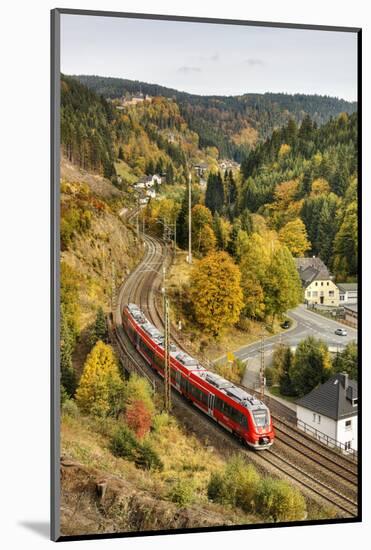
(261, 433)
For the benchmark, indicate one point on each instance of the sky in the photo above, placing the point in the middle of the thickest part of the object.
(209, 59)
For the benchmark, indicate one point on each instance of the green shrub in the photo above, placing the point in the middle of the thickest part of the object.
(237, 485)
(183, 492)
(124, 444)
(272, 376)
(280, 501)
(160, 421)
(147, 458)
(70, 408)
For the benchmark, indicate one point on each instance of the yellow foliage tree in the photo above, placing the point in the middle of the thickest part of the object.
(294, 236)
(285, 207)
(320, 186)
(100, 390)
(284, 150)
(215, 292)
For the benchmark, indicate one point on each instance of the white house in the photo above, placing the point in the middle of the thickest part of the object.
(330, 412)
(146, 182)
(348, 293)
(319, 288)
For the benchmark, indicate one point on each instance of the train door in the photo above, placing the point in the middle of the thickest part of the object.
(177, 380)
(210, 404)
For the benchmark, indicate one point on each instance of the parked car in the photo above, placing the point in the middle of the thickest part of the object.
(285, 324)
(341, 332)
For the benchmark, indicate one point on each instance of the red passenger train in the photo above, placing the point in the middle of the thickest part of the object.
(232, 407)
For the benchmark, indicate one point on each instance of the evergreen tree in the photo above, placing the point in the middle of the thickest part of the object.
(170, 173)
(311, 366)
(120, 153)
(214, 198)
(347, 361)
(285, 374)
(67, 343)
(100, 327)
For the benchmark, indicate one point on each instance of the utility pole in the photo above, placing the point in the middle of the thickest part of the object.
(113, 287)
(137, 219)
(190, 220)
(262, 367)
(167, 377)
(175, 238)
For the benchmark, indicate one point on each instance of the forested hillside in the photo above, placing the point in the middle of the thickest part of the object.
(145, 138)
(233, 124)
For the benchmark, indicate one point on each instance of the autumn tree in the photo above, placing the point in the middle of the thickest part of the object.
(286, 205)
(282, 286)
(346, 243)
(255, 259)
(101, 389)
(294, 236)
(138, 417)
(137, 388)
(215, 292)
(311, 366)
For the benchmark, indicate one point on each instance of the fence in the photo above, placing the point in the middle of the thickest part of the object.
(326, 439)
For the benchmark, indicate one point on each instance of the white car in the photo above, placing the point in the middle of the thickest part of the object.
(341, 332)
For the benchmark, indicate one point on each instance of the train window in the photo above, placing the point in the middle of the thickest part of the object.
(260, 417)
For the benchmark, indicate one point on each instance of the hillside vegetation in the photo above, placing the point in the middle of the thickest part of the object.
(232, 124)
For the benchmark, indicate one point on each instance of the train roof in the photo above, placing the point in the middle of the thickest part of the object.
(191, 364)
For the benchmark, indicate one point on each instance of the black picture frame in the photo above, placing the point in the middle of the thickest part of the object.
(55, 271)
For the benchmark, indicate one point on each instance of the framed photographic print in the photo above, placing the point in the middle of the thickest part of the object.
(206, 293)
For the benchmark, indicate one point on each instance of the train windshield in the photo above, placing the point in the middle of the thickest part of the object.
(261, 417)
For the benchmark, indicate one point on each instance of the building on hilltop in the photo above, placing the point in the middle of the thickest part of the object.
(330, 412)
(317, 281)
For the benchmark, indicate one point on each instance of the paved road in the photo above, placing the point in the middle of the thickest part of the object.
(306, 323)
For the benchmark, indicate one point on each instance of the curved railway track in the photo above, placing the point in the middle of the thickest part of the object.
(141, 287)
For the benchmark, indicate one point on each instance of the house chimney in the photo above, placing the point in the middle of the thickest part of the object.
(344, 378)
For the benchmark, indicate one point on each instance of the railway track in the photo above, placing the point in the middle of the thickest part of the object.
(141, 287)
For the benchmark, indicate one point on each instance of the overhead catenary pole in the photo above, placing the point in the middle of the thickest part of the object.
(262, 368)
(190, 219)
(167, 378)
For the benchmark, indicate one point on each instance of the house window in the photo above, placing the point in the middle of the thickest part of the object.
(321, 293)
(319, 419)
(355, 401)
(348, 445)
(315, 293)
(314, 417)
(309, 293)
(331, 293)
(348, 424)
(328, 283)
(322, 283)
(316, 283)
(342, 297)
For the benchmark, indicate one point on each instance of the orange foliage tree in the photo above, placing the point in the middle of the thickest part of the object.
(138, 418)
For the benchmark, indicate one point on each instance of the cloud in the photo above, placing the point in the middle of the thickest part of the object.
(252, 61)
(186, 70)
